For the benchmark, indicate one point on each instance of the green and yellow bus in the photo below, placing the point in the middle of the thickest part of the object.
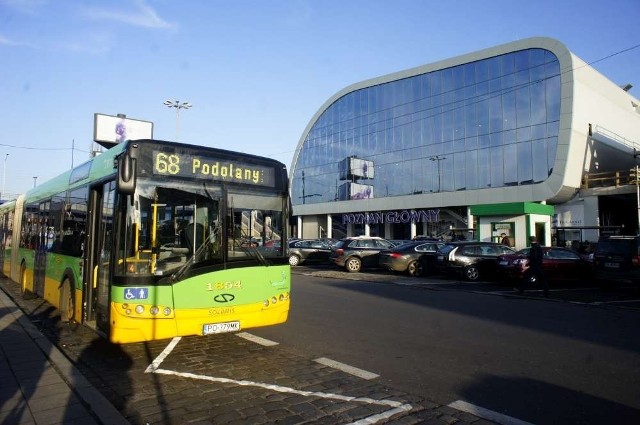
(154, 239)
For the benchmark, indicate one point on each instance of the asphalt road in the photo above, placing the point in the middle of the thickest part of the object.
(379, 348)
(536, 360)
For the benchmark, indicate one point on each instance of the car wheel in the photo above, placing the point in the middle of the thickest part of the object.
(472, 273)
(353, 265)
(415, 268)
(294, 260)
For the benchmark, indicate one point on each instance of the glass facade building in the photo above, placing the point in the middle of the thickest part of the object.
(489, 123)
(519, 123)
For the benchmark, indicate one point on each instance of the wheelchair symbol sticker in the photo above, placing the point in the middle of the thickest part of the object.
(136, 293)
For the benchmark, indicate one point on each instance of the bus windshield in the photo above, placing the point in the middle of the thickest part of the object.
(171, 228)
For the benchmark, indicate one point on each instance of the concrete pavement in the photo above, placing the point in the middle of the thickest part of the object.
(221, 380)
(39, 385)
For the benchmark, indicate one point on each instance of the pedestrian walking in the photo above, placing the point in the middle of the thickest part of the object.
(535, 268)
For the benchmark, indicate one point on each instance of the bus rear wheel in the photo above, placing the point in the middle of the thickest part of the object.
(67, 301)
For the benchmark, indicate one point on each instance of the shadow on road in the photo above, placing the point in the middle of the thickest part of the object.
(530, 312)
(79, 343)
(543, 403)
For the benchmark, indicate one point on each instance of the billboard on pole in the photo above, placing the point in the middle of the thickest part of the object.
(109, 130)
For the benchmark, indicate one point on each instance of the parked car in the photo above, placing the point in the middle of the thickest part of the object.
(425, 238)
(357, 252)
(414, 258)
(274, 243)
(472, 259)
(329, 241)
(558, 264)
(398, 242)
(308, 250)
(617, 259)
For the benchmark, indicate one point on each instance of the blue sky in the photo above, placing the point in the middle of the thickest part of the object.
(254, 71)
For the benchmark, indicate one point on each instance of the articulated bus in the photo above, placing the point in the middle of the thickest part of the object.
(154, 239)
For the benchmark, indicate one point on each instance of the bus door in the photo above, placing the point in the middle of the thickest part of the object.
(99, 270)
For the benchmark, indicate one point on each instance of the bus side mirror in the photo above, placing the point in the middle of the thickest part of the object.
(127, 171)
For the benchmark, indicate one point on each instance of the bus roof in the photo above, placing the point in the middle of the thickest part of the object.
(102, 166)
(96, 168)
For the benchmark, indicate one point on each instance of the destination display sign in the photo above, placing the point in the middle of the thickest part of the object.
(207, 168)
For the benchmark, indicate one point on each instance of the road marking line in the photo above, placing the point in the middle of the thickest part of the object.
(258, 340)
(396, 406)
(382, 416)
(487, 414)
(346, 368)
(168, 349)
(281, 389)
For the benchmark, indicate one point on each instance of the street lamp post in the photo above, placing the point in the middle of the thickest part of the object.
(178, 105)
(34, 180)
(4, 175)
(438, 158)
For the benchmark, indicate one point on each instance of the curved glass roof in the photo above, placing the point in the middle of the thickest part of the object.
(485, 124)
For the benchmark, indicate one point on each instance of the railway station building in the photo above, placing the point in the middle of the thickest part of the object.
(524, 138)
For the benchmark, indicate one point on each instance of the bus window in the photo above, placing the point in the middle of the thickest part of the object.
(171, 227)
(255, 225)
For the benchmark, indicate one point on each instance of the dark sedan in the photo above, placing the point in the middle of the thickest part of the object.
(559, 264)
(472, 259)
(308, 250)
(414, 258)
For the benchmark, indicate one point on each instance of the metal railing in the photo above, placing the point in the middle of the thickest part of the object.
(609, 179)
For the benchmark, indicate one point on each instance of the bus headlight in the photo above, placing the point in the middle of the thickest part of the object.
(139, 309)
(166, 311)
(154, 310)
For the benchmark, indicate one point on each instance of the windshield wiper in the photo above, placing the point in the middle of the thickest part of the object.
(189, 263)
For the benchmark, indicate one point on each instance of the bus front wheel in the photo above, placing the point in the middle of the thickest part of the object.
(67, 302)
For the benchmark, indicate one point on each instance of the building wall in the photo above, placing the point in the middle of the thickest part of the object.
(448, 196)
(597, 123)
(518, 239)
(614, 121)
(311, 227)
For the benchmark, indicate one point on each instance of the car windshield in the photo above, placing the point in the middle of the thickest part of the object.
(615, 246)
